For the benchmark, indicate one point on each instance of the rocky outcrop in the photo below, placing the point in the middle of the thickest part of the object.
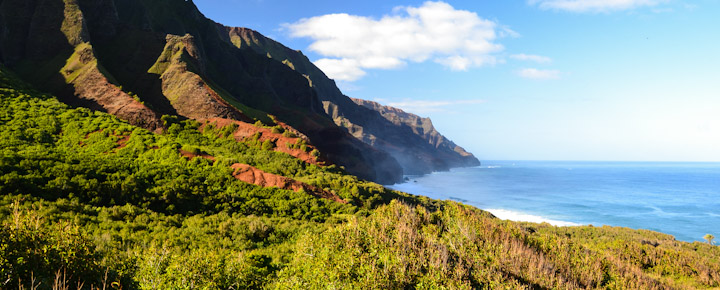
(294, 144)
(252, 175)
(186, 91)
(446, 154)
(95, 90)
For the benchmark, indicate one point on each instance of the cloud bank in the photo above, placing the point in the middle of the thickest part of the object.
(592, 5)
(422, 106)
(531, 57)
(539, 74)
(350, 45)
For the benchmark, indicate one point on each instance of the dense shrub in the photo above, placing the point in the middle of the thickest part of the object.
(268, 145)
(278, 129)
(34, 252)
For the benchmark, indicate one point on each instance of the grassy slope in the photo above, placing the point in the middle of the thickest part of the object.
(403, 246)
(78, 195)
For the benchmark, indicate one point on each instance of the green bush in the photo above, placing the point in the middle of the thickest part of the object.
(268, 145)
(289, 134)
(192, 149)
(31, 249)
(315, 153)
(278, 129)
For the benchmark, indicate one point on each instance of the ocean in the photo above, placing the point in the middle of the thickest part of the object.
(676, 198)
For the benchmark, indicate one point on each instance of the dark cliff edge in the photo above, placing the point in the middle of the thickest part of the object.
(442, 154)
(141, 59)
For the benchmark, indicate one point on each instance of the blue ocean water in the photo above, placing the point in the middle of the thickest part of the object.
(681, 199)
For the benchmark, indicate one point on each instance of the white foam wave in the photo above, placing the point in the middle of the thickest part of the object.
(523, 217)
(494, 166)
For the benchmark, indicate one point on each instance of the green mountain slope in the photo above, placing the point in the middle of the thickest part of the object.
(85, 165)
(87, 199)
(141, 59)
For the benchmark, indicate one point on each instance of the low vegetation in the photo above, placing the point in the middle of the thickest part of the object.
(460, 247)
(89, 201)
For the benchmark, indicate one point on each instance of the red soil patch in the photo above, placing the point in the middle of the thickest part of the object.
(88, 134)
(190, 155)
(252, 175)
(246, 131)
(123, 141)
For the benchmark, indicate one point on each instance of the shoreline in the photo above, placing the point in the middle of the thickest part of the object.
(500, 213)
(638, 195)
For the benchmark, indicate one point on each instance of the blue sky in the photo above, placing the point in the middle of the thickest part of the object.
(522, 80)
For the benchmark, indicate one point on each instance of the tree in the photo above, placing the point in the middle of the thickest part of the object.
(268, 145)
(709, 238)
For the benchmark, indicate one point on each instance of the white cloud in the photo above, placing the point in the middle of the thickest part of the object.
(421, 107)
(342, 69)
(531, 57)
(507, 32)
(539, 74)
(593, 5)
(436, 31)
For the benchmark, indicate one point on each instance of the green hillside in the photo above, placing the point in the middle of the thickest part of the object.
(87, 200)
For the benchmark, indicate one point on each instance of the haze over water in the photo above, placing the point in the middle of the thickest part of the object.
(681, 199)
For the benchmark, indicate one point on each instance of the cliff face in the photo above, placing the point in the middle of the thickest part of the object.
(411, 140)
(47, 42)
(442, 154)
(141, 59)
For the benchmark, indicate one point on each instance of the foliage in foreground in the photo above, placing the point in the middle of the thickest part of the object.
(397, 246)
(107, 204)
(401, 246)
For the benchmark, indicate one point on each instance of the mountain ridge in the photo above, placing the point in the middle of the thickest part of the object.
(167, 56)
(366, 120)
(140, 59)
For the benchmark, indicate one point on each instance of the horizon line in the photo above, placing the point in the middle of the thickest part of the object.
(579, 160)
